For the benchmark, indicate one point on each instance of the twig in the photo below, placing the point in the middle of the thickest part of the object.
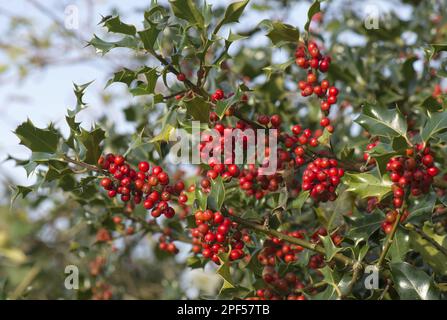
(432, 241)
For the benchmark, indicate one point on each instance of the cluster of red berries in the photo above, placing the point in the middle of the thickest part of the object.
(276, 248)
(279, 288)
(311, 59)
(218, 95)
(215, 233)
(148, 186)
(321, 177)
(390, 219)
(414, 173)
(366, 155)
(165, 242)
(96, 266)
(273, 121)
(103, 235)
(250, 179)
(102, 291)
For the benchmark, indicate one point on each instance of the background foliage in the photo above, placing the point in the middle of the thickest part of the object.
(390, 82)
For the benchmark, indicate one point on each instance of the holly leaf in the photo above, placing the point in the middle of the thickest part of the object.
(149, 37)
(434, 49)
(91, 141)
(412, 283)
(299, 201)
(217, 195)
(198, 109)
(435, 124)
(281, 33)
(187, 10)
(329, 247)
(431, 104)
(430, 254)
(383, 122)
(20, 191)
(36, 139)
(313, 9)
(224, 271)
(202, 198)
(234, 12)
(103, 46)
(422, 208)
(368, 185)
(364, 226)
(400, 246)
(331, 213)
(164, 134)
(114, 24)
(195, 262)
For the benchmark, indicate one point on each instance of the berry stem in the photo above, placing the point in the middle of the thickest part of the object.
(389, 240)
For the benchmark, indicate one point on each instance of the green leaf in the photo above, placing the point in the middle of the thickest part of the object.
(281, 33)
(164, 134)
(412, 283)
(198, 109)
(91, 141)
(299, 201)
(430, 254)
(148, 87)
(224, 271)
(36, 139)
(221, 107)
(103, 46)
(400, 246)
(431, 104)
(149, 37)
(194, 262)
(187, 10)
(329, 247)
(422, 208)
(436, 123)
(363, 227)
(337, 283)
(217, 195)
(234, 12)
(381, 121)
(125, 75)
(117, 26)
(331, 213)
(325, 138)
(313, 9)
(20, 191)
(368, 185)
(435, 48)
(202, 198)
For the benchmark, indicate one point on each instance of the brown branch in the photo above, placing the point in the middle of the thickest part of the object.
(346, 261)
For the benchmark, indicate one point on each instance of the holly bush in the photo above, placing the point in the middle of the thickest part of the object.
(355, 207)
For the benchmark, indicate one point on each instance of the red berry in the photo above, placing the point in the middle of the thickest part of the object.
(181, 77)
(143, 166)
